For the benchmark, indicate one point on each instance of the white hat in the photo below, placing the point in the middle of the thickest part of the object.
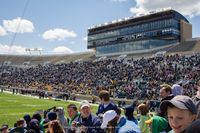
(84, 103)
(108, 116)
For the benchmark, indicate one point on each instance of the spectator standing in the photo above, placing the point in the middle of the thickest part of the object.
(129, 113)
(143, 111)
(196, 98)
(177, 89)
(106, 104)
(72, 113)
(166, 92)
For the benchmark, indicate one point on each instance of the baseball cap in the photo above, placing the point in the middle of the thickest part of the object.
(108, 116)
(84, 103)
(181, 102)
(20, 122)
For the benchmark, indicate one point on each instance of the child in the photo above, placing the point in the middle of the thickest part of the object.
(181, 112)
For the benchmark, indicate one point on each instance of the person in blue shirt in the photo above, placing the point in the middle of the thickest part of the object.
(106, 104)
(129, 113)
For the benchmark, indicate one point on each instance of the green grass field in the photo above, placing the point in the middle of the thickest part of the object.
(14, 107)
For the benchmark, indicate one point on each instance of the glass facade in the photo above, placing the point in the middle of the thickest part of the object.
(143, 36)
(163, 24)
(132, 46)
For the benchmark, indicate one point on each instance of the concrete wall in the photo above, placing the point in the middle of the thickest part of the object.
(185, 31)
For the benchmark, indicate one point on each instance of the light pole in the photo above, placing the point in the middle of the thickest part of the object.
(33, 50)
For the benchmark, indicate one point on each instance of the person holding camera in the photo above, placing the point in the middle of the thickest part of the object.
(86, 122)
(72, 113)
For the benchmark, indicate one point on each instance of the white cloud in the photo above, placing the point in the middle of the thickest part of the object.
(6, 49)
(18, 25)
(185, 7)
(2, 31)
(63, 49)
(85, 38)
(58, 34)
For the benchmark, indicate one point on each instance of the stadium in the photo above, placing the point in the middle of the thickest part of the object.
(157, 34)
(133, 57)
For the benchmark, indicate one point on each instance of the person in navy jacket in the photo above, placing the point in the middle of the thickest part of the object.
(106, 104)
(86, 122)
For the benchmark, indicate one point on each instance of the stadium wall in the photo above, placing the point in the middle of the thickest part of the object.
(185, 30)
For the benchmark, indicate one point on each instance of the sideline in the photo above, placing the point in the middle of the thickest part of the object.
(52, 98)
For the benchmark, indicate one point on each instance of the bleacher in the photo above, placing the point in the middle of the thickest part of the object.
(42, 59)
(187, 47)
(184, 47)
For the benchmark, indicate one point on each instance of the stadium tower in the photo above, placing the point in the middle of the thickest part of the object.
(136, 35)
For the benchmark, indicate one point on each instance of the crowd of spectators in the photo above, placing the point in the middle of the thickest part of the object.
(176, 114)
(124, 78)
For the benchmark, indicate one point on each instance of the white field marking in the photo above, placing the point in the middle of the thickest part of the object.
(19, 113)
(36, 97)
(11, 101)
(31, 105)
(34, 105)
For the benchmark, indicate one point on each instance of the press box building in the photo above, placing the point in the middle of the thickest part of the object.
(139, 34)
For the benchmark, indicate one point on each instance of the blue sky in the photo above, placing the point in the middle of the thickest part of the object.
(60, 26)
